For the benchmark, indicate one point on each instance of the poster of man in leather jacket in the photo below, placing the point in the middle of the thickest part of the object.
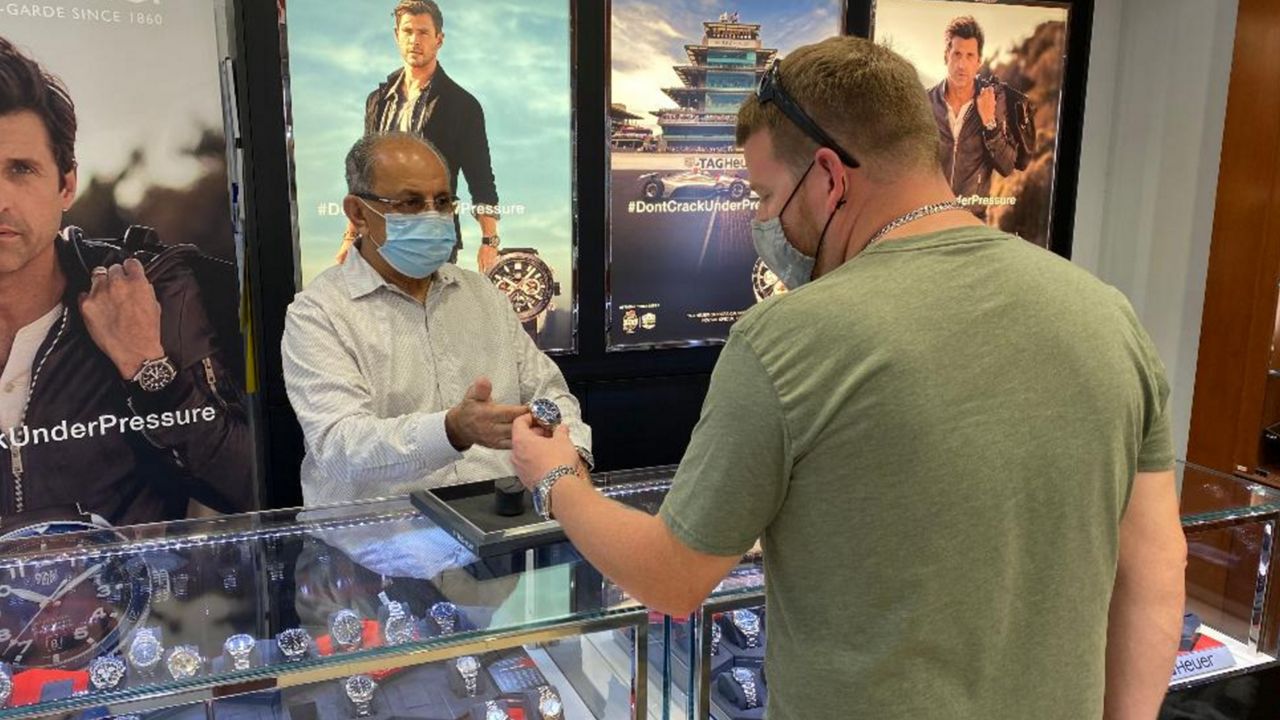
(993, 72)
(122, 386)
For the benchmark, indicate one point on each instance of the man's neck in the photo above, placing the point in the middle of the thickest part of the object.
(29, 293)
(958, 96)
(416, 79)
(893, 201)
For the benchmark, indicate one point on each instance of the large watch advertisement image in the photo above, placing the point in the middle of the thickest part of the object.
(489, 85)
(994, 75)
(122, 373)
(682, 267)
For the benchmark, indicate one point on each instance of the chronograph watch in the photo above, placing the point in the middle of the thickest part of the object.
(528, 283)
(65, 597)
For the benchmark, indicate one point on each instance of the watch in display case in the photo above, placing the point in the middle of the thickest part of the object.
(445, 616)
(748, 624)
(240, 649)
(64, 609)
(294, 644)
(495, 711)
(550, 706)
(398, 628)
(106, 673)
(145, 651)
(717, 635)
(765, 282)
(469, 669)
(6, 685)
(359, 690)
(346, 629)
(747, 681)
(184, 662)
(528, 283)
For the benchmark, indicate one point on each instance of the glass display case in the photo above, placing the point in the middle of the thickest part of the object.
(375, 610)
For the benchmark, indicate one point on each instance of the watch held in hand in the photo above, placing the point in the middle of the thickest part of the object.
(155, 375)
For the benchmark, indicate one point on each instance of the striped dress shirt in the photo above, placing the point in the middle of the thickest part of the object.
(370, 372)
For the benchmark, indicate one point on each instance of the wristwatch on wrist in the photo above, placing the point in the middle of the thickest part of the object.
(492, 241)
(542, 491)
(747, 680)
(155, 375)
(991, 125)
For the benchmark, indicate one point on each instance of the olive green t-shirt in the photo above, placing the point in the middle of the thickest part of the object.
(935, 442)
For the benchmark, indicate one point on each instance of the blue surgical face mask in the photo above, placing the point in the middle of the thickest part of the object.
(792, 267)
(417, 245)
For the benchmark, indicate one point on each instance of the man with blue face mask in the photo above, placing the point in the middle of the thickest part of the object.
(953, 444)
(406, 371)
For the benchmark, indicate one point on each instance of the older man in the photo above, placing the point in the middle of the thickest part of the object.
(406, 371)
(954, 444)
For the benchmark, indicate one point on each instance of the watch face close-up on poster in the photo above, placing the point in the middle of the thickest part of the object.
(92, 410)
(682, 267)
(994, 74)
(498, 105)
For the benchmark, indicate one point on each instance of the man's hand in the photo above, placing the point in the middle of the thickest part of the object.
(987, 106)
(536, 453)
(123, 317)
(477, 420)
(486, 258)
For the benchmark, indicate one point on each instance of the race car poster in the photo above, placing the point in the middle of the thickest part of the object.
(113, 111)
(681, 264)
(489, 84)
(994, 74)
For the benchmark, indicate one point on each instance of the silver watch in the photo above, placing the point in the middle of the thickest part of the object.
(294, 644)
(748, 623)
(716, 636)
(546, 413)
(145, 651)
(542, 491)
(445, 616)
(105, 673)
(155, 375)
(6, 684)
(747, 680)
(398, 629)
(184, 662)
(469, 668)
(240, 649)
(359, 690)
(494, 711)
(346, 629)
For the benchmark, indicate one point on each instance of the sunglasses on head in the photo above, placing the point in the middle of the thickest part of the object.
(770, 91)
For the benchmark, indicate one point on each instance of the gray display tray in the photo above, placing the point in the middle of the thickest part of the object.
(466, 511)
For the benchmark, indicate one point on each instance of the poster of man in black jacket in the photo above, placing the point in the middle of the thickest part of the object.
(421, 98)
(115, 388)
(977, 140)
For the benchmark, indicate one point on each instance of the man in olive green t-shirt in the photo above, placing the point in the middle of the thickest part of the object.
(953, 444)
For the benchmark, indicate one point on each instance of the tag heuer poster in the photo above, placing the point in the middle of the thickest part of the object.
(993, 72)
(495, 96)
(681, 264)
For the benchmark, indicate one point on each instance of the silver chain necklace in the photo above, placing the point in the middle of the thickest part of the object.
(914, 215)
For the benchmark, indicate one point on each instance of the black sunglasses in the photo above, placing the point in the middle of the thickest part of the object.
(770, 91)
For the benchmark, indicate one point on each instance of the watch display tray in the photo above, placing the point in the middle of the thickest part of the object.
(466, 511)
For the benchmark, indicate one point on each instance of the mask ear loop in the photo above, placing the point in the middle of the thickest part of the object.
(822, 239)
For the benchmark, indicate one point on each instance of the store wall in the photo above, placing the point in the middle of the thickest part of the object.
(1154, 116)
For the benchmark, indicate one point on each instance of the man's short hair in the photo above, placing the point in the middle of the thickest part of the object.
(25, 86)
(420, 7)
(965, 28)
(865, 96)
(359, 165)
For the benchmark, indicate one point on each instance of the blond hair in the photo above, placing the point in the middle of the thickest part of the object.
(865, 96)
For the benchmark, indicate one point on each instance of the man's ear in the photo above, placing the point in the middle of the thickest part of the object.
(70, 182)
(837, 181)
(355, 212)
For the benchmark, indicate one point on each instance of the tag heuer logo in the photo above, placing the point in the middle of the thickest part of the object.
(630, 322)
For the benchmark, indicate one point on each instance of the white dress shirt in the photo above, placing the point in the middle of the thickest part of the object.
(370, 372)
(15, 379)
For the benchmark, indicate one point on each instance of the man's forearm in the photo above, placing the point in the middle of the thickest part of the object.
(1143, 632)
(633, 549)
